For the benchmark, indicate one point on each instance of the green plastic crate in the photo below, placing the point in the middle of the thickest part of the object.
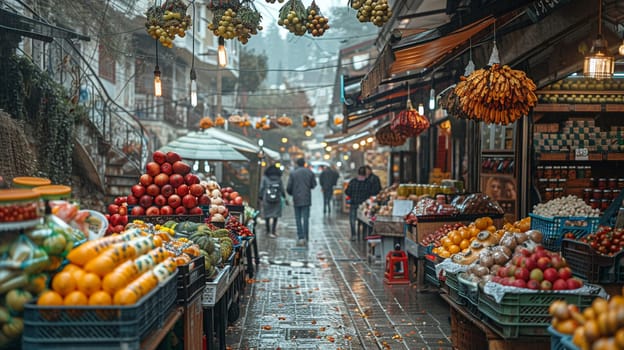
(452, 283)
(430, 273)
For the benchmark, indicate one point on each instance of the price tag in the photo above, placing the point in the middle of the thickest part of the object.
(581, 154)
(402, 207)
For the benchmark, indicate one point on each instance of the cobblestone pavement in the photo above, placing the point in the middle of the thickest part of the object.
(327, 296)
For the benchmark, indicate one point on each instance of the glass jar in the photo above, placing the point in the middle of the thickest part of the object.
(553, 182)
(540, 171)
(604, 204)
(542, 184)
(30, 182)
(592, 182)
(597, 194)
(602, 183)
(607, 194)
(572, 173)
(548, 171)
(594, 203)
(549, 194)
(587, 194)
(556, 171)
(564, 172)
(403, 190)
(562, 183)
(18, 205)
(615, 193)
(588, 171)
(612, 183)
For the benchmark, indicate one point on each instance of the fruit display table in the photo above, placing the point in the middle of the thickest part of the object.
(469, 332)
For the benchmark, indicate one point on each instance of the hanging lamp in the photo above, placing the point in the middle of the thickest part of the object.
(222, 58)
(599, 64)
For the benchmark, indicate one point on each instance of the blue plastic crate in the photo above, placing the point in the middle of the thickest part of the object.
(553, 228)
(556, 339)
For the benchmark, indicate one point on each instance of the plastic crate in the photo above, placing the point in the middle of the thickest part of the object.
(167, 294)
(522, 314)
(94, 327)
(191, 280)
(588, 264)
(556, 339)
(568, 344)
(452, 284)
(430, 273)
(468, 290)
(465, 335)
(554, 228)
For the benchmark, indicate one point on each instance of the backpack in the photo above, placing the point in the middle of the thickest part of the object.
(273, 193)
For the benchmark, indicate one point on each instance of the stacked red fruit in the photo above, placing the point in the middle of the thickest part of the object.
(606, 241)
(167, 188)
(117, 215)
(538, 270)
(231, 196)
(233, 225)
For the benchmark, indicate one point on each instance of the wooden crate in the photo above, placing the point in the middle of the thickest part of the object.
(193, 325)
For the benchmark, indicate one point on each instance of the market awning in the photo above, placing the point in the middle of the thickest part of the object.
(203, 146)
(239, 142)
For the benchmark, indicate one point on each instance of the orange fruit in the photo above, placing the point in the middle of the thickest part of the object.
(71, 267)
(457, 238)
(76, 298)
(444, 254)
(50, 297)
(78, 273)
(89, 283)
(491, 228)
(464, 244)
(100, 298)
(488, 220)
(446, 242)
(465, 234)
(125, 297)
(113, 282)
(454, 249)
(101, 265)
(64, 283)
(481, 223)
(474, 231)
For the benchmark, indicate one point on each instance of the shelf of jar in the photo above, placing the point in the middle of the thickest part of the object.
(569, 156)
(578, 107)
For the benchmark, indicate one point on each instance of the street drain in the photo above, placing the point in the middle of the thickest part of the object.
(302, 333)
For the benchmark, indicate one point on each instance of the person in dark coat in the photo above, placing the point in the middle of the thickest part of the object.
(327, 180)
(271, 193)
(373, 180)
(359, 189)
(300, 184)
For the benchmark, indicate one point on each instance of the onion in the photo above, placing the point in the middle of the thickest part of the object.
(216, 201)
(215, 193)
(213, 210)
(221, 209)
(521, 237)
(506, 250)
(535, 235)
(217, 218)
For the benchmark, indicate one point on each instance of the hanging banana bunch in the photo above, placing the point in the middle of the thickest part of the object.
(498, 95)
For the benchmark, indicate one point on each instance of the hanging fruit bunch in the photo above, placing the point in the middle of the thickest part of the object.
(284, 121)
(317, 24)
(165, 22)
(219, 120)
(308, 121)
(224, 22)
(292, 16)
(376, 11)
(273, 1)
(250, 20)
(386, 137)
(452, 104)
(245, 121)
(498, 95)
(263, 124)
(338, 120)
(205, 123)
(409, 122)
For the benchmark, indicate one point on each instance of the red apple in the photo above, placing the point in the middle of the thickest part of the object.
(522, 273)
(557, 261)
(132, 199)
(152, 168)
(107, 216)
(536, 274)
(182, 190)
(152, 211)
(176, 180)
(574, 283)
(516, 259)
(511, 270)
(161, 179)
(227, 189)
(196, 211)
(153, 190)
(159, 157)
(120, 200)
(565, 273)
(166, 210)
(233, 195)
(529, 263)
(167, 190)
(502, 272)
(174, 201)
(118, 228)
(533, 284)
(545, 285)
(204, 199)
(173, 157)
(138, 190)
(519, 283)
(146, 201)
(114, 219)
(166, 168)
(123, 210)
(123, 220)
(181, 210)
(560, 285)
(196, 190)
(160, 200)
(146, 180)
(525, 252)
(181, 168)
(113, 209)
(189, 201)
(551, 274)
(238, 200)
(191, 179)
(543, 263)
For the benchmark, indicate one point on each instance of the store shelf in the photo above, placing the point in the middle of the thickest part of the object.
(571, 107)
(569, 157)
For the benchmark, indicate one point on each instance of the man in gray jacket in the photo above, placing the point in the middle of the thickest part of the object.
(300, 184)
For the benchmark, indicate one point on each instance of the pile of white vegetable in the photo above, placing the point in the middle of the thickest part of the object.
(565, 206)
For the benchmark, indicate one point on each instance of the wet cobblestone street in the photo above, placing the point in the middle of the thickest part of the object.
(327, 296)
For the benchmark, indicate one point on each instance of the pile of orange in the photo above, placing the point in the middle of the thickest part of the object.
(115, 270)
(458, 240)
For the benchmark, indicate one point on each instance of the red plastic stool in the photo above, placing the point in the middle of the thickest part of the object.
(396, 267)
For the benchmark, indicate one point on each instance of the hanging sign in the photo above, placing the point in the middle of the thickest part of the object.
(581, 154)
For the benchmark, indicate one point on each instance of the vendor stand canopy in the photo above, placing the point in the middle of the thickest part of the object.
(203, 146)
(239, 142)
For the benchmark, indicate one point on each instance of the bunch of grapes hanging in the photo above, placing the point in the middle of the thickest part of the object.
(233, 19)
(292, 16)
(317, 24)
(168, 20)
(376, 11)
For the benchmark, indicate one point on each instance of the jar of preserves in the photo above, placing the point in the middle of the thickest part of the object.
(542, 184)
(30, 182)
(572, 173)
(19, 205)
(587, 194)
(558, 192)
(562, 182)
(548, 171)
(604, 204)
(612, 183)
(564, 172)
(549, 193)
(553, 182)
(403, 190)
(602, 183)
(592, 182)
(594, 203)
(607, 194)
(540, 171)
(556, 171)
(597, 194)
(588, 171)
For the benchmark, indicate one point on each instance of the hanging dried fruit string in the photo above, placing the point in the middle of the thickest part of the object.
(292, 16)
(376, 11)
(409, 122)
(317, 24)
(250, 21)
(165, 22)
(386, 137)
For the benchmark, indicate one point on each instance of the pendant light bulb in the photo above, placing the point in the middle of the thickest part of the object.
(157, 82)
(421, 109)
(193, 88)
(432, 99)
(222, 59)
(621, 49)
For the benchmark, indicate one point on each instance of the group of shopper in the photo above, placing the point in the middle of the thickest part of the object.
(300, 183)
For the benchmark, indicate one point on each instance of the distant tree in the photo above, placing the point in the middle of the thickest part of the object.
(253, 69)
(346, 27)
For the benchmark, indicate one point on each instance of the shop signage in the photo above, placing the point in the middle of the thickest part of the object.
(542, 8)
(581, 154)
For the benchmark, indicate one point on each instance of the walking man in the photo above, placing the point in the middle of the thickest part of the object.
(328, 179)
(373, 180)
(358, 190)
(300, 184)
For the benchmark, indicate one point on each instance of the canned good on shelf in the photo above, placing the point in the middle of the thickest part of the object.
(602, 183)
(587, 194)
(620, 183)
(572, 173)
(607, 194)
(604, 204)
(594, 203)
(612, 183)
